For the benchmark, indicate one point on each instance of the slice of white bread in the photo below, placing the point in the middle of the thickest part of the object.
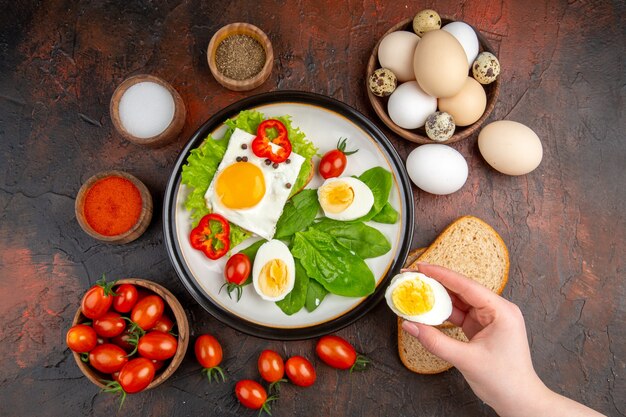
(473, 248)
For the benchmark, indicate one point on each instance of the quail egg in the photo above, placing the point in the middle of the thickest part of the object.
(383, 82)
(486, 68)
(416, 297)
(440, 126)
(425, 21)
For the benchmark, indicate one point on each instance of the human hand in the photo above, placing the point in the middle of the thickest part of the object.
(496, 362)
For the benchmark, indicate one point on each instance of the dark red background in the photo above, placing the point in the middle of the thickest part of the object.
(563, 75)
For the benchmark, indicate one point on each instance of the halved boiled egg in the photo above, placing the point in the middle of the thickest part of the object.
(345, 198)
(273, 272)
(416, 297)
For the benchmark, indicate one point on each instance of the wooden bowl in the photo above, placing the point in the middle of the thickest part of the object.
(131, 234)
(241, 29)
(419, 135)
(172, 307)
(163, 138)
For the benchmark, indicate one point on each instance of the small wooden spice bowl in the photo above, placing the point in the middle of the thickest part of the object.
(241, 29)
(419, 135)
(140, 226)
(173, 309)
(166, 136)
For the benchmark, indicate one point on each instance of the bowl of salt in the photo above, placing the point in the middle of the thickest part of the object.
(147, 110)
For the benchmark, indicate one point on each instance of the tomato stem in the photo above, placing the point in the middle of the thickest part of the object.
(275, 386)
(360, 364)
(114, 387)
(216, 372)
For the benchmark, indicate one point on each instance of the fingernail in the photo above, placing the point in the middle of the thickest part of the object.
(420, 264)
(411, 328)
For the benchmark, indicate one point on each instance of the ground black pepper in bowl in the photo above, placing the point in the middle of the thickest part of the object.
(240, 57)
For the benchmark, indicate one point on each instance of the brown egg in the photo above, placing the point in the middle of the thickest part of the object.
(440, 64)
(467, 105)
(510, 147)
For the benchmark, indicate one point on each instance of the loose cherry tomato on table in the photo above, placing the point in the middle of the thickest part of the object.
(252, 395)
(81, 338)
(164, 324)
(157, 345)
(209, 354)
(97, 300)
(110, 324)
(271, 366)
(236, 272)
(147, 311)
(334, 162)
(107, 358)
(126, 298)
(300, 371)
(340, 354)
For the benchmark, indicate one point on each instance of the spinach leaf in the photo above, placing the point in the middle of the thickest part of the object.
(360, 238)
(329, 263)
(387, 215)
(314, 296)
(294, 301)
(298, 214)
(378, 180)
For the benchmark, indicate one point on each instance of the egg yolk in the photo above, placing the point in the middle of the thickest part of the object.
(273, 278)
(240, 185)
(336, 196)
(413, 297)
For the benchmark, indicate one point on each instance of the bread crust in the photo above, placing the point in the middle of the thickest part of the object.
(420, 254)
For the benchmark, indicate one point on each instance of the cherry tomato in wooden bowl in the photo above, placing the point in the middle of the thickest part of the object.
(171, 310)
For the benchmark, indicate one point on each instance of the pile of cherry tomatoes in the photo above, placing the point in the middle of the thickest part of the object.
(332, 350)
(126, 335)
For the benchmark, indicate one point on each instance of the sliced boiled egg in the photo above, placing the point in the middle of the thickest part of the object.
(416, 297)
(345, 198)
(273, 272)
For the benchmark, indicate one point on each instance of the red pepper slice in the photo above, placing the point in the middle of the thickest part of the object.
(261, 144)
(211, 236)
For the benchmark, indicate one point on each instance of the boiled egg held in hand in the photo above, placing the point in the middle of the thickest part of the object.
(274, 271)
(345, 198)
(416, 297)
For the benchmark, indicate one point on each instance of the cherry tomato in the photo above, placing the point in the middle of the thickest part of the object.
(334, 162)
(97, 300)
(157, 345)
(209, 354)
(271, 366)
(110, 324)
(107, 358)
(126, 298)
(300, 371)
(251, 394)
(124, 341)
(102, 340)
(147, 311)
(136, 375)
(340, 354)
(164, 324)
(237, 269)
(81, 338)
(157, 364)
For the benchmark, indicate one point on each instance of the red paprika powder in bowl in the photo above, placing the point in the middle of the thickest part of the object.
(114, 207)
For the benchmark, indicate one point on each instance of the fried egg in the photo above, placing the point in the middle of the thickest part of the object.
(273, 272)
(416, 297)
(345, 198)
(249, 192)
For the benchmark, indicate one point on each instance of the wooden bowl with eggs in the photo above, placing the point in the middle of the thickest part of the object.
(419, 135)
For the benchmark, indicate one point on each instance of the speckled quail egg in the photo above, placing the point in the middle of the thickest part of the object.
(486, 68)
(440, 126)
(425, 21)
(274, 271)
(416, 297)
(383, 82)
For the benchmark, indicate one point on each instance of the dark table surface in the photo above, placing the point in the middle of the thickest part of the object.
(563, 75)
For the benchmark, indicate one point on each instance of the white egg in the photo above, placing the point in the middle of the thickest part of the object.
(345, 198)
(437, 169)
(248, 192)
(409, 105)
(416, 297)
(274, 271)
(466, 37)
